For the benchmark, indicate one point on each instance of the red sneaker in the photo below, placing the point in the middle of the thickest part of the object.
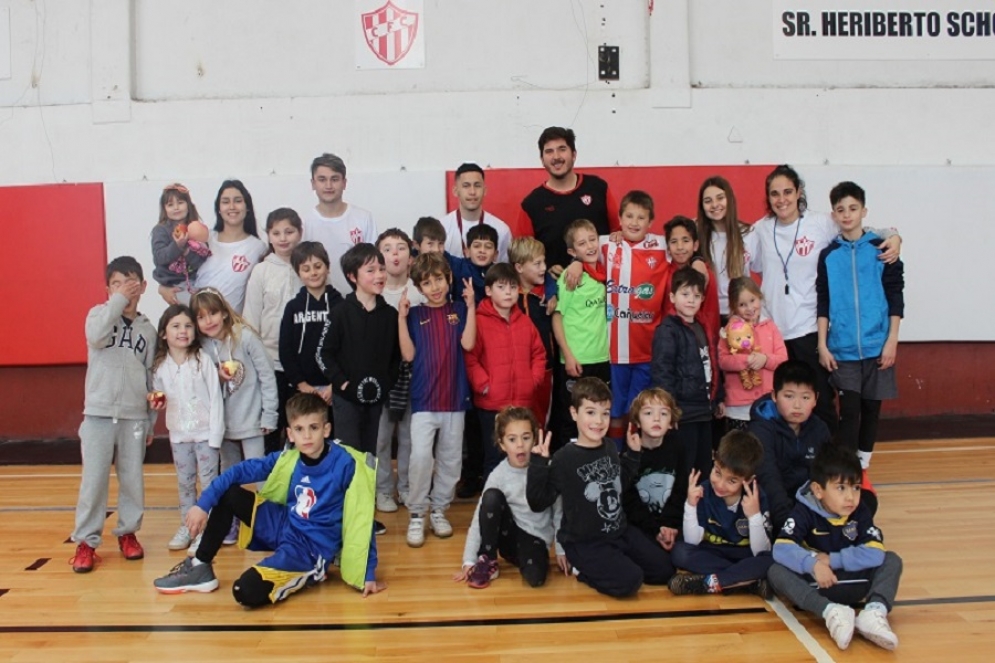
(130, 546)
(865, 482)
(84, 558)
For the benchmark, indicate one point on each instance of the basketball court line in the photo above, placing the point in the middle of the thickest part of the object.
(804, 638)
(381, 626)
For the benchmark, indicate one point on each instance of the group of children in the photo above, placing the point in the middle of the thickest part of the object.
(627, 341)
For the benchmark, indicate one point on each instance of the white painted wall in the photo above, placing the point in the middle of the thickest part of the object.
(110, 90)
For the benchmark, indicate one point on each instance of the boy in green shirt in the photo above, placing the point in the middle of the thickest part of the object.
(580, 322)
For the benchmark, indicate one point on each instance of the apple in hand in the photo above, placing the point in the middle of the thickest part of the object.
(157, 399)
(231, 367)
(179, 231)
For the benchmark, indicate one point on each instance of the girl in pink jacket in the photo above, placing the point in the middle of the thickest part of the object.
(766, 353)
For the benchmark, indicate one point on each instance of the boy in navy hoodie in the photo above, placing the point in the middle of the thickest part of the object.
(304, 320)
(685, 364)
(830, 555)
(359, 351)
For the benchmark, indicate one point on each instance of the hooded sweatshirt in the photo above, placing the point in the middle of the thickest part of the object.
(787, 456)
(272, 284)
(251, 399)
(119, 359)
(361, 348)
(852, 542)
(304, 319)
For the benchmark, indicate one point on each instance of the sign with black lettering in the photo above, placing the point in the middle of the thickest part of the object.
(883, 30)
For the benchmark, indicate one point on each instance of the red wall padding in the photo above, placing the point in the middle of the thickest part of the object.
(674, 188)
(52, 261)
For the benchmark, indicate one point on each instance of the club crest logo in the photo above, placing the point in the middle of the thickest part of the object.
(850, 530)
(355, 235)
(804, 246)
(390, 32)
(586, 199)
(239, 264)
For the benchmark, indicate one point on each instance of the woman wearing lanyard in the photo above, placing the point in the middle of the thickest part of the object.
(790, 239)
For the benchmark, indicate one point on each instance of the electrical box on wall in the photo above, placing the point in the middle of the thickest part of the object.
(607, 63)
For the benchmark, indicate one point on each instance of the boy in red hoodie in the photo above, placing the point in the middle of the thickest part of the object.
(508, 361)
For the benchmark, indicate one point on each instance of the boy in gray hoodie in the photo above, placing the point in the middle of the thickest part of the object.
(117, 419)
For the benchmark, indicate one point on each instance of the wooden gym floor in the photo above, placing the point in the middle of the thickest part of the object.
(937, 511)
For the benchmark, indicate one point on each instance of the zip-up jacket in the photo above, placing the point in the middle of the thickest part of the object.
(677, 367)
(272, 284)
(507, 363)
(858, 294)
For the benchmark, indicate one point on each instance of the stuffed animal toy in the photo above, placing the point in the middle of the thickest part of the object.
(739, 336)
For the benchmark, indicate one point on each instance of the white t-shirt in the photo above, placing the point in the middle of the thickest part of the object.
(788, 255)
(228, 268)
(719, 243)
(454, 244)
(393, 295)
(338, 235)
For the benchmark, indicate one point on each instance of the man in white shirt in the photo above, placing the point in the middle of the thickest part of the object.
(335, 223)
(469, 189)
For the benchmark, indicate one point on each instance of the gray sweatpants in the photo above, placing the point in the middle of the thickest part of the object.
(881, 586)
(103, 440)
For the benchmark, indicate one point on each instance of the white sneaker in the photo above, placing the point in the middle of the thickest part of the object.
(386, 503)
(839, 621)
(439, 524)
(416, 531)
(873, 625)
(192, 550)
(402, 497)
(180, 540)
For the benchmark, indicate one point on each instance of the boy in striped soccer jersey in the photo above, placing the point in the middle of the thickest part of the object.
(830, 555)
(431, 337)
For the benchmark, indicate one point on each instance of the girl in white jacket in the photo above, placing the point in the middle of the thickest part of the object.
(272, 284)
(186, 385)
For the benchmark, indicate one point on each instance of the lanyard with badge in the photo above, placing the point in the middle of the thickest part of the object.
(784, 263)
(459, 224)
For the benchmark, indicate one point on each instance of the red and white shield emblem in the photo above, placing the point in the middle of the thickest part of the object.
(586, 199)
(239, 264)
(355, 235)
(389, 32)
(804, 246)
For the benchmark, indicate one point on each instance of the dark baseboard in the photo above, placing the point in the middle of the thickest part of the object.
(66, 451)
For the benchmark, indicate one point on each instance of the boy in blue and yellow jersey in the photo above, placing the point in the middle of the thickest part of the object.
(726, 524)
(316, 507)
(829, 554)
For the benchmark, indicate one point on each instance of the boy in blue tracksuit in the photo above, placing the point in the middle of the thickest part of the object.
(830, 555)
(859, 306)
(315, 508)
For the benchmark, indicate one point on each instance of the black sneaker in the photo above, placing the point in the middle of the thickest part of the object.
(379, 528)
(762, 589)
(469, 488)
(687, 583)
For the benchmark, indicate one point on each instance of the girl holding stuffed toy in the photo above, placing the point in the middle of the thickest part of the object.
(750, 349)
(178, 250)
